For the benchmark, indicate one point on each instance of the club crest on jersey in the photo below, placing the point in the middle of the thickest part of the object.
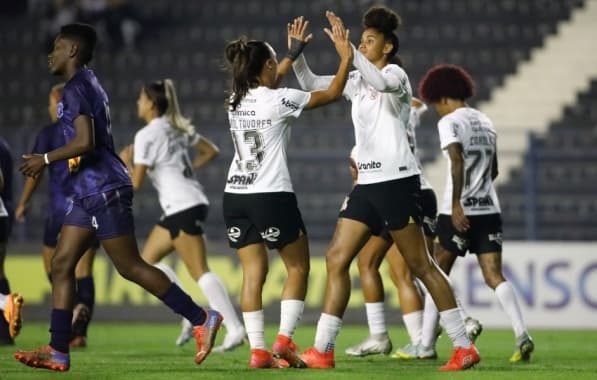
(74, 164)
(233, 234)
(60, 110)
(271, 234)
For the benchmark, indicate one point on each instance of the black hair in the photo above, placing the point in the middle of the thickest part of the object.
(446, 81)
(246, 60)
(84, 35)
(385, 21)
(163, 95)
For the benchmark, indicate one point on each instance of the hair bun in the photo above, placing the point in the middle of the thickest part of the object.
(381, 18)
(235, 48)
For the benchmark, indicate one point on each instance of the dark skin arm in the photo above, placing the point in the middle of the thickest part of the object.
(459, 219)
(494, 167)
(83, 142)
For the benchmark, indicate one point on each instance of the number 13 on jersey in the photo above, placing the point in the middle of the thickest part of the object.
(249, 148)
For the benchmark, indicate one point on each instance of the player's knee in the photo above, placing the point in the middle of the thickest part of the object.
(336, 260)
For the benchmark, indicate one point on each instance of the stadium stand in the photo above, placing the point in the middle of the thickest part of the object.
(489, 38)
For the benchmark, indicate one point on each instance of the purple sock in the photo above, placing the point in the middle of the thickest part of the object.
(182, 304)
(60, 329)
(86, 292)
(4, 286)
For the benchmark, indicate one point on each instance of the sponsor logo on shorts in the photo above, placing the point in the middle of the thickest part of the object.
(461, 243)
(498, 238)
(233, 234)
(344, 204)
(431, 223)
(271, 234)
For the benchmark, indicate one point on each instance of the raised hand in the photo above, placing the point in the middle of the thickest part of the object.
(298, 30)
(339, 35)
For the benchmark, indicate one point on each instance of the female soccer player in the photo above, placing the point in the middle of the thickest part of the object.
(260, 207)
(59, 199)
(101, 207)
(161, 152)
(387, 193)
(470, 219)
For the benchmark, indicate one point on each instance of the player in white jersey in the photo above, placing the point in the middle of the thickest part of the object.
(387, 194)
(260, 207)
(161, 152)
(470, 219)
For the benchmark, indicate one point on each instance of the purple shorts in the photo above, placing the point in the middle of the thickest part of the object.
(110, 214)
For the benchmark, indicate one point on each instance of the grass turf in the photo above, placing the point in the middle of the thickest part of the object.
(147, 351)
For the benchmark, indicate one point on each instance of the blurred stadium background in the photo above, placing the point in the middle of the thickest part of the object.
(535, 65)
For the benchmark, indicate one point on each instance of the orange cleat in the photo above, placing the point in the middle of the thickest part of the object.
(315, 359)
(285, 348)
(205, 335)
(264, 359)
(45, 357)
(12, 313)
(462, 358)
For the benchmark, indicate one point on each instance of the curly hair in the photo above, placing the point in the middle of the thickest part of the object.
(446, 81)
(386, 21)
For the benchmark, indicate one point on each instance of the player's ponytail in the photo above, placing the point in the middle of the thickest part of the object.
(246, 60)
(173, 111)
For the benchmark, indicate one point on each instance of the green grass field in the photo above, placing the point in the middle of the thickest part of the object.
(147, 351)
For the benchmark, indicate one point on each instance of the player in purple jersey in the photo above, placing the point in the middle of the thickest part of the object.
(10, 303)
(60, 196)
(102, 204)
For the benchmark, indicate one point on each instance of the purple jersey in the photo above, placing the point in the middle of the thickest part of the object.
(61, 189)
(100, 169)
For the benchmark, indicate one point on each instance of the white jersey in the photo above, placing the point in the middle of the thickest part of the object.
(260, 128)
(411, 131)
(474, 131)
(164, 150)
(380, 112)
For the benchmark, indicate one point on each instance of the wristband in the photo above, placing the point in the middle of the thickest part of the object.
(46, 159)
(296, 48)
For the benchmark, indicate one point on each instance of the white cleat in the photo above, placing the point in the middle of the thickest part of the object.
(232, 340)
(408, 352)
(427, 352)
(186, 333)
(473, 328)
(373, 345)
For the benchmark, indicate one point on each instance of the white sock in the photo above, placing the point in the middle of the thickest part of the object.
(291, 312)
(430, 321)
(218, 298)
(327, 331)
(169, 272)
(414, 325)
(376, 318)
(463, 314)
(507, 297)
(454, 326)
(254, 327)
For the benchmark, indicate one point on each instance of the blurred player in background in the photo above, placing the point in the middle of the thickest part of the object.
(387, 194)
(102, 205)
(260, 207)
(469, 218)
(161, 152)
(60, 197)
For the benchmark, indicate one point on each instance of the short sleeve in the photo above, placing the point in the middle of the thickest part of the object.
(41, 144)
(450, 132)
(291, 102)
(76, 101)
(145, 149)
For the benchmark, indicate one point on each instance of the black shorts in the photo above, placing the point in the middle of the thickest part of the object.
(429, 206)
(271, 218)
(390, 205)
(483, 236)
(4, 229)
(190, 221)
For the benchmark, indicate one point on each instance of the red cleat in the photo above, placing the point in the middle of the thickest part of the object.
(45, 357)
(205, 335)
(264, 359)
(462, 358)
(285, 348)
(12, 313)
(315, 359)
